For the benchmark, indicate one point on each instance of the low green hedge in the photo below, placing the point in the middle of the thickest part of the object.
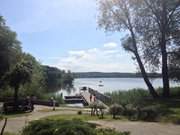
(66, 127)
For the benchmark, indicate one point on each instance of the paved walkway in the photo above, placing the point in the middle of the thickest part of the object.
(141, 128)
(16, 124)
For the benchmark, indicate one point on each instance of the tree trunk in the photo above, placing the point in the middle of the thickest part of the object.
(141, 66)
(16, 98)
(165, 75)
(145, 77)
(4, 126)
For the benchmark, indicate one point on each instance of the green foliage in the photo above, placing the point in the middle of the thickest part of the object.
(56, 79)
(97, 109)
(137, 105)
(6, 92)
(115, 110)
(49, 127)
(175, 92)
(48, 96)
(79, 112)
(21, 71)
(37, 85)
(97, 105)
(10, 49)
(1, 117)
(110, 132)
(20, 75)
(150, 113)
(174, 65)
(134, 96)
(66, 127)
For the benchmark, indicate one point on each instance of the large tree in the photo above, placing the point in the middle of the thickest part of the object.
(20, 75)
(153, 28)
(37, 85)
(118, 15)
(158, 26)
(10, 49)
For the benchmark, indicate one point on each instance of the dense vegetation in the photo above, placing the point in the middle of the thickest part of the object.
(56, 79)
(66, 127)
(137, 104)
(21, 74)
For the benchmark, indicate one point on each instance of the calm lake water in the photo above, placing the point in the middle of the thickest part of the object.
(114, 84)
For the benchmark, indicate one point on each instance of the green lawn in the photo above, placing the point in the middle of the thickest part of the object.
(83, 117)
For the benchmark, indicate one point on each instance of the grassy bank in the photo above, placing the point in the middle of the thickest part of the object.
(136, 104)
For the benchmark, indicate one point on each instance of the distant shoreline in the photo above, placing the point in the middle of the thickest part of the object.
(112, 75)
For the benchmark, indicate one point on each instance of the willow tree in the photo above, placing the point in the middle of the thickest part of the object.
(118, 15)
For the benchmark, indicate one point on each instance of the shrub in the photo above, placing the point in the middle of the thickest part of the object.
(150, 113)
(57, 97)
(131, 112)
(1, 117)
(115, 110)
(79, 112)
(52, 127)
(110, 132)
(66, 127)
(97, 107)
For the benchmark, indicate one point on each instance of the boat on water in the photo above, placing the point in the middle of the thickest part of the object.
(100, 84)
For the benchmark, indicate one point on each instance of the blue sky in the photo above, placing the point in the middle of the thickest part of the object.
(64, 33)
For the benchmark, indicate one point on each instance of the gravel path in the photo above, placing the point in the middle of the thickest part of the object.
(16, 124)
(141, 128)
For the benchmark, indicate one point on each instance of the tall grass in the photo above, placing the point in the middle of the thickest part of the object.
(57, 97)
(133, 96)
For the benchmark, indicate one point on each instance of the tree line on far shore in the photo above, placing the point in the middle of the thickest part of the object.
(112, 75)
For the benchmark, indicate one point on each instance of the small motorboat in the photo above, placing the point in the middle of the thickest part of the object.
(100, 84)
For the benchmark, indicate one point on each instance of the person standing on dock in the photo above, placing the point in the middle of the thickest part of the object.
(90, 97)
(94, 98)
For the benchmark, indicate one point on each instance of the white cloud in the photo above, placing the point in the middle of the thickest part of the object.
(110, 45)
(96, 59)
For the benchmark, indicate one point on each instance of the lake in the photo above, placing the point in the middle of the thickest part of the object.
(114, 84)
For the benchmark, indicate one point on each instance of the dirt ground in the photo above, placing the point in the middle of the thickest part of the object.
(141, 128)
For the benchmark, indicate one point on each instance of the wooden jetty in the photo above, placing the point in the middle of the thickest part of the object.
(75, 100)
(84, 97)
